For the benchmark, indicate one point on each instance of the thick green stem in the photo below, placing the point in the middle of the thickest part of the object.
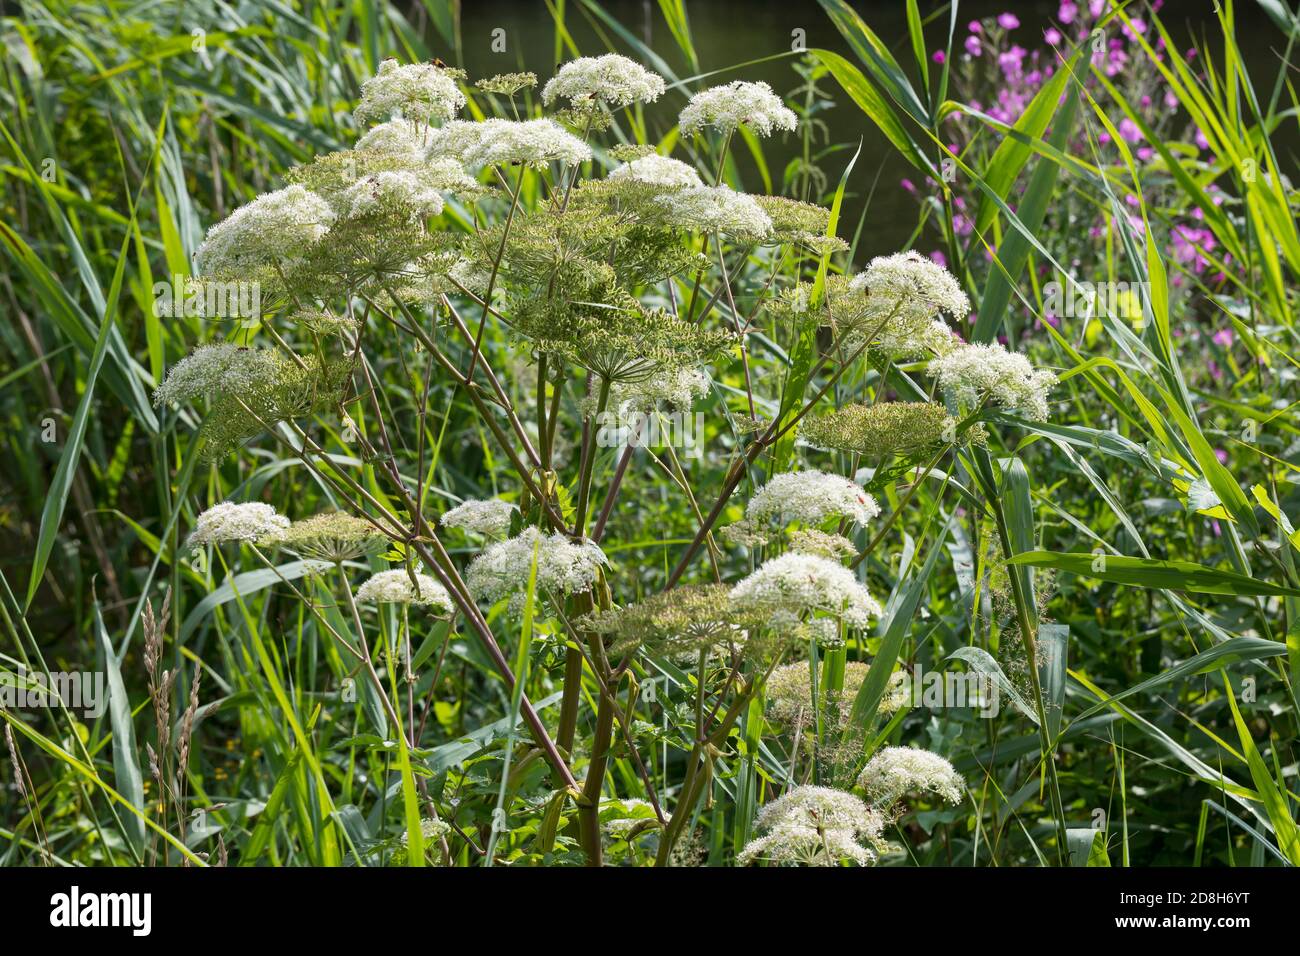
(589, 459)
(589, 804)
(569, 702)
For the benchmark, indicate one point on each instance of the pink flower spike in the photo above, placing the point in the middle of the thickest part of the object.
(1008, 21)
(937, 56)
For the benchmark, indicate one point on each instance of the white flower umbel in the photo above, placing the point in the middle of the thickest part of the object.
(833, 546)
(726, 107)
(969, 374)
(563, 566)
(390, 189)
(658, 171)
(490, 517)
(674, 389)
(611, 78)
(816, 826)
(811, 497)
(236, 522)
(911, 275)
(399, 137)
(895, 771)
(448, 176)
(274, 229)
(793, 584)
(906, 293)
(498, 142)
(213, 369)
(716, 209)
(396, 587)
(199, 373)
(417, 91)
(789, 694)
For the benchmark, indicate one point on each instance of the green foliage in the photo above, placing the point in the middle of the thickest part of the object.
(408, 362)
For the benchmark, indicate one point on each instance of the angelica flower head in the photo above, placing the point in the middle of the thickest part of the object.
(677, 623)
(398, 137)
(507, 84)
(802, 222)
(332, 536)
(398, 184)
(490, 518)
(971, 374)
(612, 79)
(896, 303)
(675, 389)
(202, 372)
(735, 104)
(879, 432)
(563, 566)
(417, 91)
(626, 152)
(236, 522)
(275, 229)
(789, 695)
(716, 209)
(499, 142)
(911, 276)
(797, 584)
(816, 826)
(658, 171)
(811, 498)
(396, 587)
(896, 771)
(402, 191)
(250, 390)
(833, 546)
(221, 369)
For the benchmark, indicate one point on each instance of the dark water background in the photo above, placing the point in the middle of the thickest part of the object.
(730, 32)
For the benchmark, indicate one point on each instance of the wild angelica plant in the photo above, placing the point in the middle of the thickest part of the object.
(618, 295)
(575, 332)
